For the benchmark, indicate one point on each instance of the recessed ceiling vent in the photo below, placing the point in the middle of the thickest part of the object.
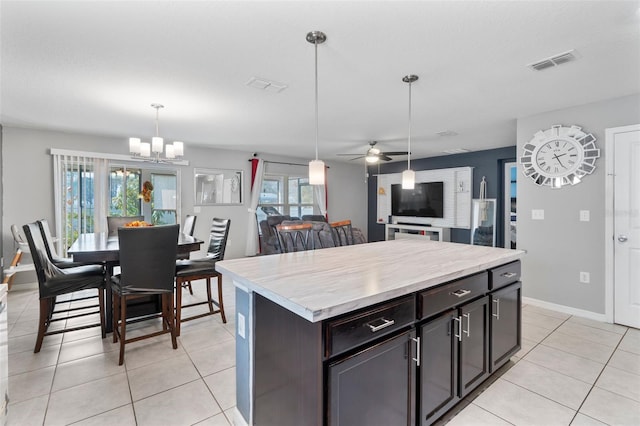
(266, 85)
(553, 61)
(447, 133)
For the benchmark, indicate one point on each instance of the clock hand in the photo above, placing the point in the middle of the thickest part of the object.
(557, 157)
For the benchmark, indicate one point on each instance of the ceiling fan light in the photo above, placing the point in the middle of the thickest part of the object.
(371, 158)
(316, 172)
(408, 179)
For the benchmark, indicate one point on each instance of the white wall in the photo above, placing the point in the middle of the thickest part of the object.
(27, 173)
(560, 246)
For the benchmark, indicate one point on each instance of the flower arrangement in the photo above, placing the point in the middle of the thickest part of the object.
(147, 187)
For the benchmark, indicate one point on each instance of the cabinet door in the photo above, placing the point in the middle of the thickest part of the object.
(474, 347)
(438, 367)
(506, 309)
(375, 386)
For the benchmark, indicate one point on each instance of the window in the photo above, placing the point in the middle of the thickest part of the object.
(163, 199)
(285, 194)
(77, 201)
(124, 187)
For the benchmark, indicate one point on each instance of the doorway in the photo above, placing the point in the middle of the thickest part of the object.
(510, 204)
(622, 226)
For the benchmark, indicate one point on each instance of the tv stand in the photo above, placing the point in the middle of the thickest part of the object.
(394, 231)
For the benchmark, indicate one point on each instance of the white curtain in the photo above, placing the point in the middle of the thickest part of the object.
(321, 198)
(73, 197)
(252, 222)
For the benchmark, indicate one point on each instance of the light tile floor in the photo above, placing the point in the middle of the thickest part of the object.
(570, 371)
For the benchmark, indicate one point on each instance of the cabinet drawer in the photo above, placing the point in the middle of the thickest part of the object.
(503, 275)
(447, 296)
(354, 329)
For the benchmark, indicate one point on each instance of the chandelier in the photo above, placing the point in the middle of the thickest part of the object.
(151, 151)
(409, 176)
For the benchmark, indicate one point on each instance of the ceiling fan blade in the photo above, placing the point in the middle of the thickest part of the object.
(357, 158)
(349, 154)
(381, 156)
(395, 153)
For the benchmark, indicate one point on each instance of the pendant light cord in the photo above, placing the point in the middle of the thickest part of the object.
(409, 144)
(157, 121)
(316, 45)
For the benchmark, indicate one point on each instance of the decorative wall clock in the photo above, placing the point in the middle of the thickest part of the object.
(559, 156)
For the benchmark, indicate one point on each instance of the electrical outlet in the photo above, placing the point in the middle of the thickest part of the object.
(241, 325)
(537, 214)
(585, 216)
(585, 277)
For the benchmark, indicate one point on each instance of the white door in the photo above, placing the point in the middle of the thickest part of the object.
(626, 228)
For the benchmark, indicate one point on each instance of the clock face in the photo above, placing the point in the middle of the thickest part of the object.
(559, 156)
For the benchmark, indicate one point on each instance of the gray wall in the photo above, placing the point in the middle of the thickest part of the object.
(25, 152)
(560, 246)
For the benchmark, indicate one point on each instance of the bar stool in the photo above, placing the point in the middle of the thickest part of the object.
(295, 237)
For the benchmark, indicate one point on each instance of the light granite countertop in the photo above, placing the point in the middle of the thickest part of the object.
(320, 284)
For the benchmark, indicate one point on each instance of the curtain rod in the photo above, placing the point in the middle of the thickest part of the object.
(281, 162)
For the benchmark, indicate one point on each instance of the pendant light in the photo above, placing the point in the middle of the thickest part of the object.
(409, 176)
(316, 167)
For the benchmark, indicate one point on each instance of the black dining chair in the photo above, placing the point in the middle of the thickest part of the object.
(115, 222)
(54, 282)
(205, 268)
(60, 262)
(147, 267)
(295, 237)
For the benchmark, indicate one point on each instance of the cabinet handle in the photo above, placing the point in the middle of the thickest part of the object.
(459, 335)
(385, 323)
(461, 292)
(497, 312)
(508, 274)
(467, 331)
(417, 358)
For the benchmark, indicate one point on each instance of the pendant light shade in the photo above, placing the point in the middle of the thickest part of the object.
(316, 167)
(409, 176)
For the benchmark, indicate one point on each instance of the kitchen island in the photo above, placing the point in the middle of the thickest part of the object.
(393, 332)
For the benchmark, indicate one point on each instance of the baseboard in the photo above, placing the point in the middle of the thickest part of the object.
(565, 309)
(238, 419)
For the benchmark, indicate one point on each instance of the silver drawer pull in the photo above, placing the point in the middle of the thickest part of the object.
(385, 323)
(458, 335)
(461, 292)
(468, 330)
(509, 274)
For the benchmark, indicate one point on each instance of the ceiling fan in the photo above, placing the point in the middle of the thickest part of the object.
(373, 154)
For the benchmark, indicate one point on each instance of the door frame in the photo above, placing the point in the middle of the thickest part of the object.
(609, 277)
(506, 212)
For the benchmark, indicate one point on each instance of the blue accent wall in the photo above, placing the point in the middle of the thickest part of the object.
(489, 163)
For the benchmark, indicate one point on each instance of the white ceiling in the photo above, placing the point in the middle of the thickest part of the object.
(95, 67)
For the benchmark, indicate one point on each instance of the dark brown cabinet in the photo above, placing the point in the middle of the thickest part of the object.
(505, 324)
(374, 386)
(405, 361)
(454, 357)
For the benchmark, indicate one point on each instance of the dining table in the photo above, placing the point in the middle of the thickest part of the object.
(99, 247)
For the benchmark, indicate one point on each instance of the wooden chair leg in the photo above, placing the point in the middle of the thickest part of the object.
(220, 302)
(14, 262)
(209, 297)
(42, 325)
(170, 319)
(178, 316)
(101, 293)
(190, 288)
(115, 315)
(123, 327)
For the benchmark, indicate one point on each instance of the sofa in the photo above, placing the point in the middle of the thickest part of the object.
(321, 232)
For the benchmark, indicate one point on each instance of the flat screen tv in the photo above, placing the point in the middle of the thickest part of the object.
(425, 200)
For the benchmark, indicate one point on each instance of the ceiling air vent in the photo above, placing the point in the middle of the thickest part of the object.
(446, 133)
(553, 61)
(266, 85)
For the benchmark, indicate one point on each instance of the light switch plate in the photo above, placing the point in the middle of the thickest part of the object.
(197, 209)
(241, 325)
(585, 216)
(537, 214)
(585, 277)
